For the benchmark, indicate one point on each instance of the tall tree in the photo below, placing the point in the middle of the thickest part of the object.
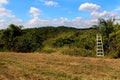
(105, 27)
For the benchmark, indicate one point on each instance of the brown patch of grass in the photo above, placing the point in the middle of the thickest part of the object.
(56, 66)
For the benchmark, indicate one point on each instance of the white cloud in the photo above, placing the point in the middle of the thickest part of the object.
(1, 21)
(4, 23)
(51, 3)
(89, 23)
(35, 20)
(77, 22)
(3, 2)
(89, 7)
(96, 14)
(35, 14)
(6, 16)
(16, 21)
(5, 13)
(64, 21)
(117, 9)
(35, 11)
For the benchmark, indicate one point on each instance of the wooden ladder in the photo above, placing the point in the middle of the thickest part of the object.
(99, 49)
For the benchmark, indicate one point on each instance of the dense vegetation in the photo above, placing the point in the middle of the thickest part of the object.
(67, 40)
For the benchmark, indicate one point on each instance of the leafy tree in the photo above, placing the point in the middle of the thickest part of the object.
(9, 36)
(106, 27)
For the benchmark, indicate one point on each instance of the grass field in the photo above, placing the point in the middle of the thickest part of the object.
(29, 66)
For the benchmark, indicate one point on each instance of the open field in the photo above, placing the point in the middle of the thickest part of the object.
(21, 66)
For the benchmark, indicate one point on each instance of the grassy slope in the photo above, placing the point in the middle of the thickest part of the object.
(56, 67)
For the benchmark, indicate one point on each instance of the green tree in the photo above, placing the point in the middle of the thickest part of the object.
(29, 42)
(9, 36)
(106, 27)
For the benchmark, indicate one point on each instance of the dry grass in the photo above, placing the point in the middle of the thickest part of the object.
(24, 66)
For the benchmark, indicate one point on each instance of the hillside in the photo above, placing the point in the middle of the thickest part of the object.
(56, 66)
(66, 40)
(49, 39)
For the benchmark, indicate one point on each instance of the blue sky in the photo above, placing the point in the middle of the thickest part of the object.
(73, 13)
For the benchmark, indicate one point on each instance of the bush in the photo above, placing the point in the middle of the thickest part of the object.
(114, 54)
(60, 42)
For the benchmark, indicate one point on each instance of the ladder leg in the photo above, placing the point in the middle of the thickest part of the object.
(99, 48)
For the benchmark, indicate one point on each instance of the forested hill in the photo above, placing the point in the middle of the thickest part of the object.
(66, 40)
(49, 31)
(47, 39)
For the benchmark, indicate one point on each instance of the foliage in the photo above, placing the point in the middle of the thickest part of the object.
(110, 32)
(71, 41)
(14, 39)
(106, 27)
(60, 42)
(9, 36)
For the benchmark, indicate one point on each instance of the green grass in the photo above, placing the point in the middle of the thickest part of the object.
(56, 66)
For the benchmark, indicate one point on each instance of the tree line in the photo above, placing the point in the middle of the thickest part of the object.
(67, 40)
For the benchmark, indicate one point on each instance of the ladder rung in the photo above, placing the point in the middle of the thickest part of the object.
(99, 45)
(99, 42)
(99, 49)
(100, 55)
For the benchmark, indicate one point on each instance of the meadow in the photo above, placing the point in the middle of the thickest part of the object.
(56, 66)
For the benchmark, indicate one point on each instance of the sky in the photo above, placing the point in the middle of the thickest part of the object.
(72, 13)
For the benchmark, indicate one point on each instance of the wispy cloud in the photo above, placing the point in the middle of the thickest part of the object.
(117, 9)
(51, 3)
(35, 11)
(4, 23)
(6, 16)
(94, 11)
(77, 22)
(35, 14)
(5, 13)
(96, 14)
(3, 2)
